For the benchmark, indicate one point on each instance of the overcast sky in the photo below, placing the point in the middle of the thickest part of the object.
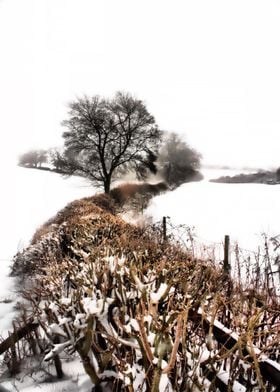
(209, 70)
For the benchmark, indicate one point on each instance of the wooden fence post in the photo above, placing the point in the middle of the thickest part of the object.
(227, 276)
(226, 255)
(164, 235)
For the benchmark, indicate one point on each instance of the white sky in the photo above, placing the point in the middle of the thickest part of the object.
(209, 70)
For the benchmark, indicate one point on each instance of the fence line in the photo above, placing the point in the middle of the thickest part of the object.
(258, 269)
(204, 240)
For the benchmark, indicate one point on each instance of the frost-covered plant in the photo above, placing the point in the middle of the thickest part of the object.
(109, 312)
(144, 315)
(150, 327)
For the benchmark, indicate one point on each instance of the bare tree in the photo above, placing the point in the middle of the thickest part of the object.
(177, 161)
(33, 158)
(106, 137)
(57, 159)
(278, 174)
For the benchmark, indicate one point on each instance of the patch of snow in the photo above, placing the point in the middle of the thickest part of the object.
(155, 297)
(65, 301)
(165, 384)
(58, 348)
(75, 380)
(224, 377)
(55, 329)
(272, 363)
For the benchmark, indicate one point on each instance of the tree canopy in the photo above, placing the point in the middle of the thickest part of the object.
(278, 174)
(177, 161)
(106, 137)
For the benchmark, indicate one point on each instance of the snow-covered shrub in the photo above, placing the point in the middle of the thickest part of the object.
(143, 315)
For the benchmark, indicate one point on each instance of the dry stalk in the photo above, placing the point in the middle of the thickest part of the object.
(144, 338)
(255, 361)
(179, 333)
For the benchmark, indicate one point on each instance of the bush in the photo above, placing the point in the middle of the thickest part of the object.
(142, 313)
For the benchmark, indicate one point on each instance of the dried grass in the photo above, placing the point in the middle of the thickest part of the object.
(88, 257)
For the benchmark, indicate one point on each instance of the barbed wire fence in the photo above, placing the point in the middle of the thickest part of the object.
(252, 270)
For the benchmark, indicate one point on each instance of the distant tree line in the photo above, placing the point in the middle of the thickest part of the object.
(33, 158)
(107, 138)
(42, 159)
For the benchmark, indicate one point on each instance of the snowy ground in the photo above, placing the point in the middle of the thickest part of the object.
(75, 380)
(243, 211)
(28, 198)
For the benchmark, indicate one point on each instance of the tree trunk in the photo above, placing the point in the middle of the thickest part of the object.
(107, 185)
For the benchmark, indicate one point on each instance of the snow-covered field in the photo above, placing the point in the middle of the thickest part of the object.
(30, 197)
(243, 211)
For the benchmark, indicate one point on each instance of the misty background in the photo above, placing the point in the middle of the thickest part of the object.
(206, 70)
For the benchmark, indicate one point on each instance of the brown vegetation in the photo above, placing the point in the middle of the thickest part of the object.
(141, 311)
(123, 193)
